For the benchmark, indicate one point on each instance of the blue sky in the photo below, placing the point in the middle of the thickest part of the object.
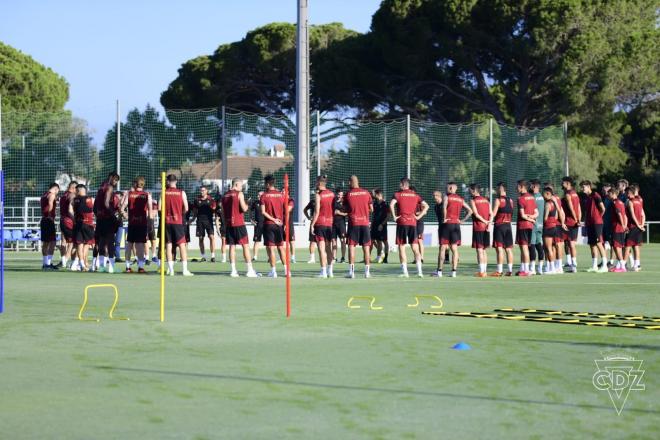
(131, 50)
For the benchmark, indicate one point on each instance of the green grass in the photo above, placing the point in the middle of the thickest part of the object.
(227, 364)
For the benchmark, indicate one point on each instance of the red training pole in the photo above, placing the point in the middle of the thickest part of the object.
(287, 234)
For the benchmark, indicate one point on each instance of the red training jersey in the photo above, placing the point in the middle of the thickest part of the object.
(83, 207)
(174, 206)
(65, 216)
(326, 208)
(45, 212)
(273, 202)
(138, 208)
(454, 207)
(551, 222)
(231, 207)
(527, 204)
(617, 225)
(504, 211)
(99, 202)
(593, 214)
(575, 201)
(637, 208)
(357, 202)
(406, 202)
(483, 209)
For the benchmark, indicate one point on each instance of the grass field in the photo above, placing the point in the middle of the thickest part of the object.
(227, 364)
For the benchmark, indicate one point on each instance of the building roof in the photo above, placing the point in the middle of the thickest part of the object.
(237, 166)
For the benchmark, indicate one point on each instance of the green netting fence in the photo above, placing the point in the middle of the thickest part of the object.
(212, 146)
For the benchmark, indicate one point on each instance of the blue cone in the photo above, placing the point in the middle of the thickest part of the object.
(462, 346)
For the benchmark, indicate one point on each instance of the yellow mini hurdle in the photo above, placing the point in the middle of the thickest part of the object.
(112, 309)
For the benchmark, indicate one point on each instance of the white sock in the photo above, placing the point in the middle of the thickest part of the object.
(94, 260)
(233, 267)
(44, 260)
(140, 263)
(324, 270)
(112, 261)
(203, 254)
(569, 259)
(404, 268)
(533, 266)
(523, 267)
(351, 268)
(541, 265)
(64, 260)
(594, 262)
(185, 265)
(575, 261)
(637, 263)
(366, 268)
(212, 254)
(631, 259)
(101, 260)
(510, 267)
(170, 265)
(500, 268)
(128, 263)
(419, 267)
(484, 267)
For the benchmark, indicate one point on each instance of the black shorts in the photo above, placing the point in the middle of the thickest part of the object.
(322, 233)
(359, 235)
(151, 229)
(223, 229)
(310, 235)
(137, 233)
(551, 232)
(480, 239)
(292, 231)
(338, 230)
(634, 237)
(406, 234)
(273, 235)
(618, 239)
(523, 237)
(451, 234)
(379, 235)
(106, 227)
(502, 236)
(237, 235)
(594, 234)
(47, 227)
(607, 233)
(204, 228)
(571, 234)
(175, 234)
(258, 232)
(83, 233)
(420, 229)
(67, 232)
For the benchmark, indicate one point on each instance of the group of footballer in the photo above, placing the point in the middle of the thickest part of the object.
(548, 225)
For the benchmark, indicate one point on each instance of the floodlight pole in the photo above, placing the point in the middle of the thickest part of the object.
(302, 111)
(566, 170)
(490, 159)
(223, 152)
(318, 143)
(118, 144)
(408, 146)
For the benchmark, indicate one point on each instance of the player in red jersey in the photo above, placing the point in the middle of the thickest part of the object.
(106, 221)
(502, 214)
(234, 208)
(47, 225)
(453, 204)
(273, 205)
(562, 228)
(322, 221)
(82, 210)
(359, 206)
(550, 228)
(527, 213)
(619, 229)
(139, 205)
(67, 222)
(593, 220)
(636, 226)
(573, 212)
(176, 207)
(481, 216)
(403, 208)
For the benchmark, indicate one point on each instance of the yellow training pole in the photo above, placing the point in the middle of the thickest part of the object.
(162, 248)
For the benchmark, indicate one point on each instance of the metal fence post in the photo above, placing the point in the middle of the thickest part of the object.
(566, 148)
(408, 146)
(223, 152)
(490, 159)
(318, 143)
(118, 144)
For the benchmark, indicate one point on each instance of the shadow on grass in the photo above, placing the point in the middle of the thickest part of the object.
(272, 381)
(596, 344)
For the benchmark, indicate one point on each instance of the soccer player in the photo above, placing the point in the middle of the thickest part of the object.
(622, 186)
(403, 208)
(358, 205)
(203, 209)
(67, 222)
(221, 228)
(636, 225)
(257, 221)
(292, 231)
(339, 227)
(550, 230)
(308, 211)
(176, 206)
(619, 229)
(480, 207)
(139, 205)
(152, 233)
(47, 225)
(502, 233)
(322, 222)
(106, 218)
(82, 210)
(594, 210)
(573, 212)
(439, 210)
(420, 228)
(272, 207)
(559, 237)
(451, 230)
(379, 226)
(527, 214)
(536, 248)
(233, 211)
